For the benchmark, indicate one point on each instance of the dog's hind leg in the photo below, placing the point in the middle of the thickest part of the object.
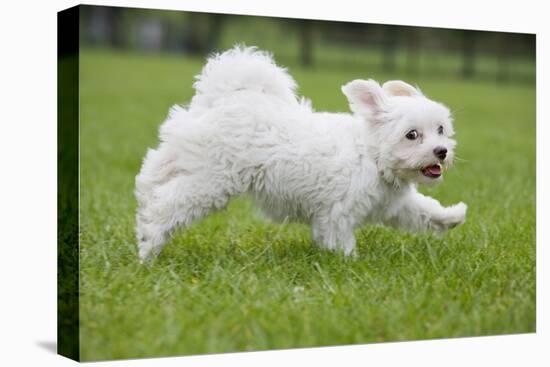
(178, 203)
(151, 236)
(169, 197)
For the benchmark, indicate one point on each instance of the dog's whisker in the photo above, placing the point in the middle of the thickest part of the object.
(459, 159)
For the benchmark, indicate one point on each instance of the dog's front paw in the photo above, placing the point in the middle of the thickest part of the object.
(454, 215)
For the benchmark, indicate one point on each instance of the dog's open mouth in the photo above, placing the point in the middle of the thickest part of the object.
(433, 171)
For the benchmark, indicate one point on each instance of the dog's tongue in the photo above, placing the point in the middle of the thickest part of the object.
(434, 170)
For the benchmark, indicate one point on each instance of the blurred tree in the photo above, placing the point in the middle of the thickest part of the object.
(114, 25)
(192, 31)
(503, 58)
(214, 33)
(413, 50)
(202, 32)
(468, 54)
(305, 28)
(389, 45)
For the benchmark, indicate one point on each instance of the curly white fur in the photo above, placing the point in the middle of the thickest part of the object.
(246, 131)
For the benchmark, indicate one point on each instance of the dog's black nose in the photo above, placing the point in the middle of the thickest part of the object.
(440, 152)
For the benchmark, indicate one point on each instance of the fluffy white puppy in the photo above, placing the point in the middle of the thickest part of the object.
(246, 131)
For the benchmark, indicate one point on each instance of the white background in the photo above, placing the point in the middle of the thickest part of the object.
(28, 182)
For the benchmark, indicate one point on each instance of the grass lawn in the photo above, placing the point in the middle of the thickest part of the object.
(235, 282)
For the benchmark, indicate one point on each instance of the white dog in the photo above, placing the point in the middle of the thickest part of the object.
(246, 131)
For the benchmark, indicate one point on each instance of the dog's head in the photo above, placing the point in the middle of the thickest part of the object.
(410, 134)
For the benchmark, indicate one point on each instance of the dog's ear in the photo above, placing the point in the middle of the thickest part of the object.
(400, 88)
(365, 97)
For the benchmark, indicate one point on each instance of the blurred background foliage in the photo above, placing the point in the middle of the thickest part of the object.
(406, 51)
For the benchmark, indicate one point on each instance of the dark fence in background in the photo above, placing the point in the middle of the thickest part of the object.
(498, 56)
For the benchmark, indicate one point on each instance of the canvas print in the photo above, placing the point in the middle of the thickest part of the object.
(234, 183)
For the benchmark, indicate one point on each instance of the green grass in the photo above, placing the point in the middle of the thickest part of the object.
(234, 282)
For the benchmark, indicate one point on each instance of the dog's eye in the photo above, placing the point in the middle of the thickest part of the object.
(412, 135)
(440, 130)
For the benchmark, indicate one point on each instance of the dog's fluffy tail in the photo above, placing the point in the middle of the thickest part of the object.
(242, 69)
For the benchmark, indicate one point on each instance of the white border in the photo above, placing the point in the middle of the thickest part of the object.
(28, 180)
